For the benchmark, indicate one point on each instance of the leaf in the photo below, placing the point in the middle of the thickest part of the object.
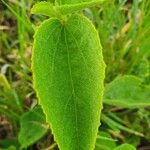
(104, 141)
(125, 147)
(68, 72)
(77, 2)
(142, 70)
(9, 143)
(128, 92)
(113, 124)
(44, 8)
(9, 148)
(68, 6)
(33, 127)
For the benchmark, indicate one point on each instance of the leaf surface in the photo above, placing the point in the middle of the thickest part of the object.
(43, 8)
(125, 147)
(127, 91)
(33, 127)
(67, 6)
(75, 2)
(105, 141)
(68, 72)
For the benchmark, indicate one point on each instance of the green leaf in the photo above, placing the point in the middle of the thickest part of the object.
(125, 147)
(9, 142)
(44, 8)
(77, 2)
(68, 72)
(68, 6)
(9, 148)
(115, 125)
(104, 141)
(142, 70)
(33, 127)
(128, 92)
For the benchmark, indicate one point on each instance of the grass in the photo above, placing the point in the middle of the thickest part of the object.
(124, 28)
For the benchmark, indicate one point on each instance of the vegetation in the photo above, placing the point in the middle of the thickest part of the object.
(124, 29)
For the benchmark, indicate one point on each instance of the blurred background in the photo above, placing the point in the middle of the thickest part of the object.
(124, 29)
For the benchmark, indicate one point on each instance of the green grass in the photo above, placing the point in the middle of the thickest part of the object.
(124, 29)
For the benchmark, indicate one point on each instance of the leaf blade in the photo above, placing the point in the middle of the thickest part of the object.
(69, 62)
(43, 8)
(35, 121)
(125, 147)
(74, 2)
(68, 7)
(127, 91)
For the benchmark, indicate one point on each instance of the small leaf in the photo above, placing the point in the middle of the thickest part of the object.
(9, 148)
(10, 142)
(68, 72)
(125, 147)
(68, 6)
(105, 141)
(128, 92)
(33, 127)
(142, 70)
(77, 2)
(44, 8)
(113, 124)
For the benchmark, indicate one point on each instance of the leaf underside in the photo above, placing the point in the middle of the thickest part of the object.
(68, 71)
